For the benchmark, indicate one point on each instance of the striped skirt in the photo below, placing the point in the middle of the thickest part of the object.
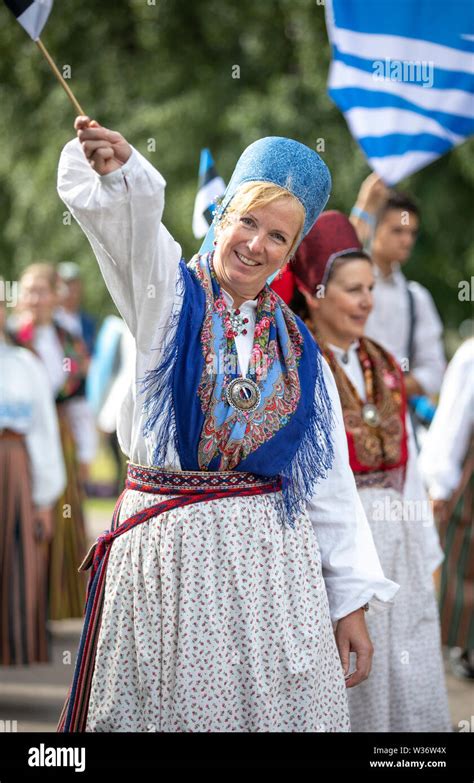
(214, 616)
(67, 587)
(457, 577)
(23, 563)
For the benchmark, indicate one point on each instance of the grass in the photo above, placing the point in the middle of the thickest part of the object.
(102, 506)
(103, 467)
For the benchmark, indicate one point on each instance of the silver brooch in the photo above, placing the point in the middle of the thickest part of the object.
(370, 415)
(243, 394)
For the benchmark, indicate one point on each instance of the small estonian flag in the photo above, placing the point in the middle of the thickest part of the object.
(210, 187)
(32, 14)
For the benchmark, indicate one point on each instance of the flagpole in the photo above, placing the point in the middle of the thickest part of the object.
(59, 76)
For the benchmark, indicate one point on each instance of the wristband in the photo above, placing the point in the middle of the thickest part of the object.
(363, 215)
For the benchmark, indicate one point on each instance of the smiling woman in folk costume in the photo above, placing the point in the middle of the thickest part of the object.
(208, 608)
(406, 690)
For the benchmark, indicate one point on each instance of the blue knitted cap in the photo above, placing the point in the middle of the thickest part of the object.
(284, 162)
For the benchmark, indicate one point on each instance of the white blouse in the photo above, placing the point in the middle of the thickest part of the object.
(81, 420)
(389, 325)
(121, 214)
(50, 351)
(107, 415)
(27, 407)
(446, 445)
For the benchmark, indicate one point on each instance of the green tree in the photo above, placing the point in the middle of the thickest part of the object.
(174, 77)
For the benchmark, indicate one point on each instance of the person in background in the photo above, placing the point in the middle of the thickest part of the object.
(406, 689)
(66, 360)
(404, 319)
(32, 477)
(70, 314)
(447, 464)
(109, 381)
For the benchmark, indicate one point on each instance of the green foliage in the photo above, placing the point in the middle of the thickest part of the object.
(164, 71)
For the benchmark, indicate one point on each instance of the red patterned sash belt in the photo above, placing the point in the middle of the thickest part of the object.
(181, 488)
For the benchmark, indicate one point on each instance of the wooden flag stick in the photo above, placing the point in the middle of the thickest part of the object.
(59, 77)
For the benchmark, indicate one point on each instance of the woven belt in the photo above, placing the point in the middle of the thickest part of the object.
(185, 487)
(167, 482)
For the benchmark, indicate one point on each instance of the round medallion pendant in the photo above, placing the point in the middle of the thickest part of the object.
(370, 415)
(243, 394)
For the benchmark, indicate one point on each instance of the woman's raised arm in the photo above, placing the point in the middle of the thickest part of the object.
(117, 197)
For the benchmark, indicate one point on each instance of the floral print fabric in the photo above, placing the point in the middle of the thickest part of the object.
(216, 618)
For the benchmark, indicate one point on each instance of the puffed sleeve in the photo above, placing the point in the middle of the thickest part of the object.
(120, 213)
(42, 439)
(351, 567)
(446, 443)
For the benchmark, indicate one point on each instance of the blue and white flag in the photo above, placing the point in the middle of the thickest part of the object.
(31, 14)
(402, 73)
(210, 187)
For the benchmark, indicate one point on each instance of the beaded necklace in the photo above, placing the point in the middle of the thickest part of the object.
(369, 410)
(234, 322)
(244, 394)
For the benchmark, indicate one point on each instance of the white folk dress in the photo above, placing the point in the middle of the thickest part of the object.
(32, 475)
(216, 617)
(77, 410)
(406, 689)
(27, 407)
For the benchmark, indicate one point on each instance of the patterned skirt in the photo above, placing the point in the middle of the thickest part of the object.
(23, 563)
(215, 618)
(67, 587)
(406, 689)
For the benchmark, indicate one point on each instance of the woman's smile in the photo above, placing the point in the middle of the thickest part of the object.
(246, 261)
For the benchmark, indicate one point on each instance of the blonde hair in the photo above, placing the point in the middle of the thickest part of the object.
(44, 270)
(252, 195)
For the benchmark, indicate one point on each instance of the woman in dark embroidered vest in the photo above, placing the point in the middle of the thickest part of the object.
(233, 546)
(66, 361)
(334, 282)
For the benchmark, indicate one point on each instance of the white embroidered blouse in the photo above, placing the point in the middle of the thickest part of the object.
(27, 407)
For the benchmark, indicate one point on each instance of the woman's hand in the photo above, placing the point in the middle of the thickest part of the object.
(372, 194)
(352, 636)
(84, 473)
(412, 386)
(106, 150)
(44, 523)
(441, 511)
